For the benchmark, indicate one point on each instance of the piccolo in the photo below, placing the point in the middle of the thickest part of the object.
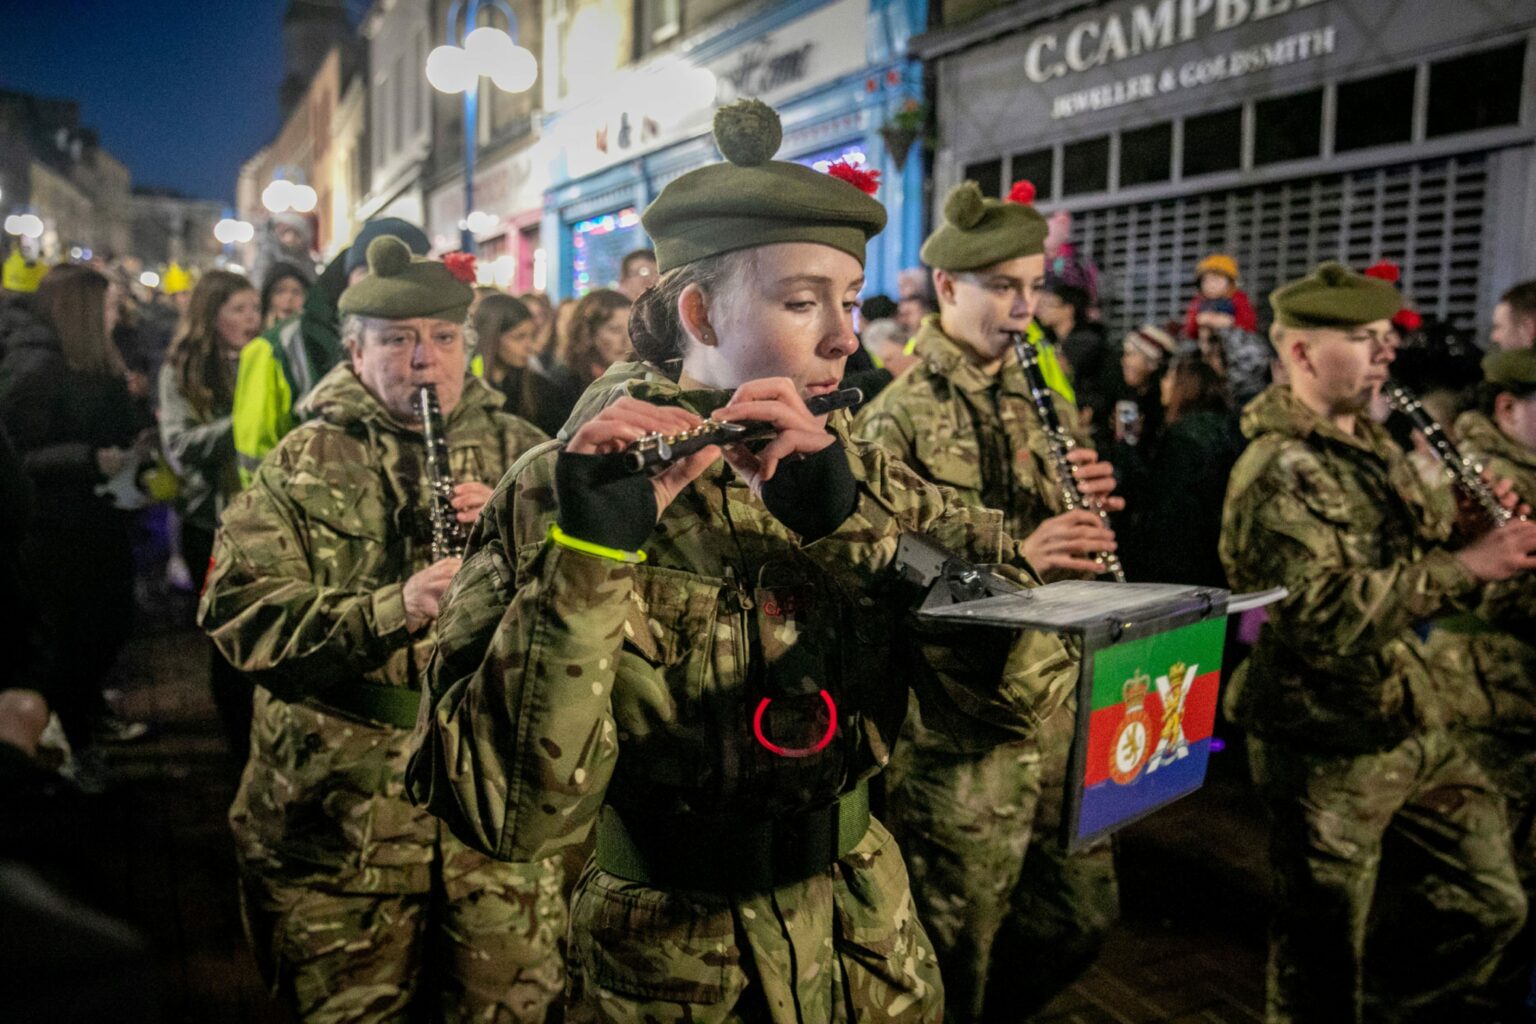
(1059, 443)
(657, 451)
(1465, 472)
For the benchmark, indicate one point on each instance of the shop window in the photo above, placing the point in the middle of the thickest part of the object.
(657, 23)
(1146, 154)
(598, 245)
(1374, 111)
(1035, 168)
(1213, 142)
(1481, 90)
(1288, 128)
(1085, 166)
(989, 175)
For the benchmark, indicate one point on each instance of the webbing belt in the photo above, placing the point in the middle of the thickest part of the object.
(387, 705)
(750, 856)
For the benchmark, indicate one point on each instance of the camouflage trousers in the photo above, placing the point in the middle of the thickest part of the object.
(840, 947)
(1510, 761)
(1014, 918)
(1394, 886)
(483, 945)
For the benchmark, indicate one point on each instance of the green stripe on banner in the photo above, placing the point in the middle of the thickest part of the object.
(1199, 643)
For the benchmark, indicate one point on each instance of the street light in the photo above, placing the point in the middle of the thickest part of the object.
(26, 225)
(454, 68)
(230, 231)
(282, 195)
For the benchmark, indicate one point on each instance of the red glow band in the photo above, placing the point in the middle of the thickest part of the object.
(821, 744)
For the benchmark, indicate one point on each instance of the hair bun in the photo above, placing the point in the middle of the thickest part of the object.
(965, 205)
(748, 132)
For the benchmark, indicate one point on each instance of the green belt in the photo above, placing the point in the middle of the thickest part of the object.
(1466, 624)
(386, 705)
(742, 856)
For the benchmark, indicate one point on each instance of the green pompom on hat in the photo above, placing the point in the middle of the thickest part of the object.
(1333, 296)
(753, 199)
(982, 232)
(1511, 371)
(403, 286)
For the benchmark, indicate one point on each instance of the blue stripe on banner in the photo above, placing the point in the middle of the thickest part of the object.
(1108, 804)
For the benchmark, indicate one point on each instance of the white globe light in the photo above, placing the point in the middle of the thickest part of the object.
(221, 232)
(449, 69)
(304, 198)
(487, 49)
(245, 231)
(277, 196)
(149, 279)
(13, 224)
(517, 70)
(31, 225)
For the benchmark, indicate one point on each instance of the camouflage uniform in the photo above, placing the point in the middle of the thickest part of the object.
(569, 688)
(357, 903)
(1485, 665)
(982, 828)
(1366, 791)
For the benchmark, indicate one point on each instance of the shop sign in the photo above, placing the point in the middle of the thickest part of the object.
(1105, 65)
(776, 66)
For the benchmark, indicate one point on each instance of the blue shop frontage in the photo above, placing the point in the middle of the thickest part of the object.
(836, 73)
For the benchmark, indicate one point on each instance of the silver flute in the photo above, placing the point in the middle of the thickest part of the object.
(1465, 472)
(1059, 441)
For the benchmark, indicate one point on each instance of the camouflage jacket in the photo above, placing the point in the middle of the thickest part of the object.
(305, 595)
(977, 433)
(1486, 664)
(1344, 523)
(564, 680)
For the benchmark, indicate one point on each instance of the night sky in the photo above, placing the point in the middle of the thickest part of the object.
(181, 92)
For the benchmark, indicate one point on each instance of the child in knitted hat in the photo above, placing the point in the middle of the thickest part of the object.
(1218, 302)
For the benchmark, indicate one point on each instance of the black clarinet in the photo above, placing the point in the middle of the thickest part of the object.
(448, 534)
(1060, 442)
(1465, 472)
(657, 451)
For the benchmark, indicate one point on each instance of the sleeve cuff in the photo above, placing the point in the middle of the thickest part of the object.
(585, 579)
(389, 610)
(1447, 575)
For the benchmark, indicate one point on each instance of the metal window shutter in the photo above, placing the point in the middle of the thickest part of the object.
(1427, 217)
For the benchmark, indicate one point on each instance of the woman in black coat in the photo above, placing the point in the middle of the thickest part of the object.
(65, 403)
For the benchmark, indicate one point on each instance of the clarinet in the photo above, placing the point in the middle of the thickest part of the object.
(657, 451)
(1060, 442)
(448, 534)
(1465, 472)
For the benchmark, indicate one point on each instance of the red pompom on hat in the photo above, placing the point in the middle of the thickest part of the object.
(1385, 270)
(1407, 320)
(1022, 192)
(461, 265)
(865, 181)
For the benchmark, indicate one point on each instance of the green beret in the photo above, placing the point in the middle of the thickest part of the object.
(754, 200)
(1334, 296)
(1511, 371)
(980, 232)
(400, 286)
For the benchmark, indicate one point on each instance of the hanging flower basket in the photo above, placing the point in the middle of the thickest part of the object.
(904, 128)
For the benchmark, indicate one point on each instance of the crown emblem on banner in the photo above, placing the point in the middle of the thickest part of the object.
(1135, 689)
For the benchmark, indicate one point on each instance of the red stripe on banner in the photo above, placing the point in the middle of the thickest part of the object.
(1102, 726)
(1199, 722)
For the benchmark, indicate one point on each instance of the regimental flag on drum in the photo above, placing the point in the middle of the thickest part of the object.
(1153, 706)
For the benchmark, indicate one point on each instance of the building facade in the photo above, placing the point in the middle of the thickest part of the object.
(398, 35)
(1284, 132)
(627, 112)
